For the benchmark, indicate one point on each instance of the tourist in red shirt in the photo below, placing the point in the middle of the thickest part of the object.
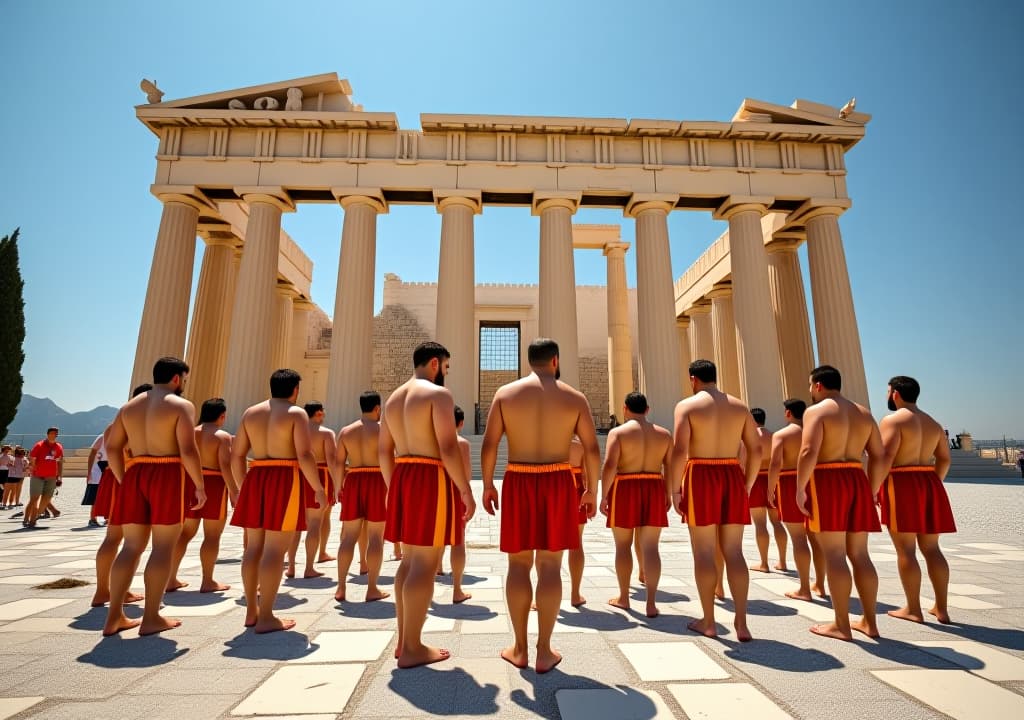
(47, 468)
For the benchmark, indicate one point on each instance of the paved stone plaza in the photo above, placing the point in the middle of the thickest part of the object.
(338, 662)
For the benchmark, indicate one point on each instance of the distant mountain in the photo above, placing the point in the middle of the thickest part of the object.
(37, 414)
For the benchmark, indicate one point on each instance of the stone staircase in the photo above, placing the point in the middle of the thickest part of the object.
(968, 464)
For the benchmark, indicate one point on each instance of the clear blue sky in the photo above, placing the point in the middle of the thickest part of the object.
(933, 240)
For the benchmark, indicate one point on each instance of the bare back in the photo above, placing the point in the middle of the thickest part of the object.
(409, 414)
(154, 421)
(357, 442)
(271, 427)
(322, 442)
(787, 442)
(642, 446)
(845, 429)
(716, 424)
(539, 416)
(576, 453)
(211, 441)
(766, 446)
(911, 436)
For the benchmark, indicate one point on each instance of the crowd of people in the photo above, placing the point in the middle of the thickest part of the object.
(401, 472)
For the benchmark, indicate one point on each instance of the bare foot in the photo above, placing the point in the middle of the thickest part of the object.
(372, 595)
(363, 570)
(325, 558)
(273, 625)
(642, 579)
(159, 626)
(652, 610)
(781, 567)
(131, 597)
(310, 573)
(440, 572)
(546, 662)
(799, 595)
(619, 603)
(426, 656)
(819, 590)
(213, 587)
(720, 593)
(396, 557)
(869, 629)
(516, 659)
(941, 615)
(99, 600)
(250, 618)
(761, 567)
(578, 600)
(743, 633)
(119, 624)
(175, 584)
(533, 606)
(905, 614)
(289, 573)
(460, 597)
(831, 630)
(707, 629)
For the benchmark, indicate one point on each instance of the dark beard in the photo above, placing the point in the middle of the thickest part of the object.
(179, 390)
(891, 404)
(439, 378)
(558, 373)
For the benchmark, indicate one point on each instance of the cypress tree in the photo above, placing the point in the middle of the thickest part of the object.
(12, 331)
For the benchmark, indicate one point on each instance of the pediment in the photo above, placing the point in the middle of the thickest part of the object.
(801, 112)
(319, 93)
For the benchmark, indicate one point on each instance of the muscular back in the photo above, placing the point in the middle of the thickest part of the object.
(642, 446)
(539, 416)
(271, 426)
(320, 439)
(358, 443)
(409, 413)
(846, 428)
(716, 424)
(766, 446)
(154, 421)
(210, 440)
(788, 441)
(920, 437)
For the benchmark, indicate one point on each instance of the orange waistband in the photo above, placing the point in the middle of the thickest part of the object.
(417, 460)
(639, 476)
(275, 462)
(365, 469)
(322, 466)
(530, 468)
(842, 465)
(211, 471)
(912, 468)
(712, 461)
(787, 472)
(577, 470)
(152, 460)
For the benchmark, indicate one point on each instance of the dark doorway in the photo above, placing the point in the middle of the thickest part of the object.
(499, 363)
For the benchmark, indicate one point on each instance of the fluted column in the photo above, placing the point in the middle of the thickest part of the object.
(211, 320)
(557, 302)
(790, 308)
(702, 337)
(281, 350)
(835, 320)
(683, 330)
(350, 369)
(252, 321)
(456, 301)
(756, 340)
(723, 328)
(620, 345)
(300, 333)
(165, 313)
(659, 348)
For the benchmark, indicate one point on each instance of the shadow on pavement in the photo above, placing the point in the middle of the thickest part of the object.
(1009, 638)
(284, 601)
(462, 611)
(376, 610)
(444, 692)
(780, 655)
(94, 618)
(317, 583)
(279, 646)
(119, 652)
(544, 702)
(907, 654)
(178, 598)
(606, 621)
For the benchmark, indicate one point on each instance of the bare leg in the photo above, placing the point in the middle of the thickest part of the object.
(719, 571)
(350, 532)
(255, 538)
(208, 552)
(458, 570)
(518, 595)
(325, 535)
(400, 575)
(649, 537)
(938, 573)
(293, 551)
(866, 580)
(779, 530)
(623, 564)
(363, 542)
(105, 555)
(158, 572)
(704, 543)
(577, 560)
(396, 551)
(910, 576)
(188, 531)
(275, 544)
(833, 547)
(549, 598)
(313, 516)
(639, 558)
(136, 537)
(820, 570)
(32, 510)
(730, 539)
(417, 592)
(802, 558)
(374, 560)
(760, 517)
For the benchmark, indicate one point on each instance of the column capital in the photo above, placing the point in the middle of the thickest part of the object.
(720, 290)
(618, 249)
(816, 207)
(639, 202)
(783, 243)
(186, 195)
(467, 198)
(546, 199)
(683, 322)
(742, 203)
(215, 238)
(700, 308)
(271, 194)
(373, 197)
(302, 303)
(286, 290)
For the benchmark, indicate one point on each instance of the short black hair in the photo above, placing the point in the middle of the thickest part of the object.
(212, 409)
(908, 388)
(144, 387)
(541, 351)
(704, 370)
(828, 376)
(636, 402)
(796, 407)
(52, 429)
(283, 383)
(459, 415)
(759, 415)
(369, 400)
(166, 368)
(312, 408)
(425, 352)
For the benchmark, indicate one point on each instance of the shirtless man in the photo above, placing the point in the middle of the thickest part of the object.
(324, 450)
(710, 490)
(577, 559)
(914, 503)
(419, 424)
(458, 551)
(276, 431)
(761, 508)
(539, 504)
(782, 491)
(158, 426)
(635, 495)
(363, 495)
(215, 454)
(842, 500)
(106, 497)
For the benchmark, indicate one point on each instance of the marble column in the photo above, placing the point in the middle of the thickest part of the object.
(683, 329)
(350, 368)
(456, 300)
(165, 312)
(835, 320)
(247, 380)
(702, 337)
(659, 347)
(211, 319)
(620, 344)
(281, 351)
(723, 328)
(756, 340)
(790, 308)
(301, 309)
(557, 302)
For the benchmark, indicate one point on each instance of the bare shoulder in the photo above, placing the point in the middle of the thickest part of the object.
(297, 413)
(816, 410)
(463, 442)
(223, 436)
(663, 432)
(786, 432)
